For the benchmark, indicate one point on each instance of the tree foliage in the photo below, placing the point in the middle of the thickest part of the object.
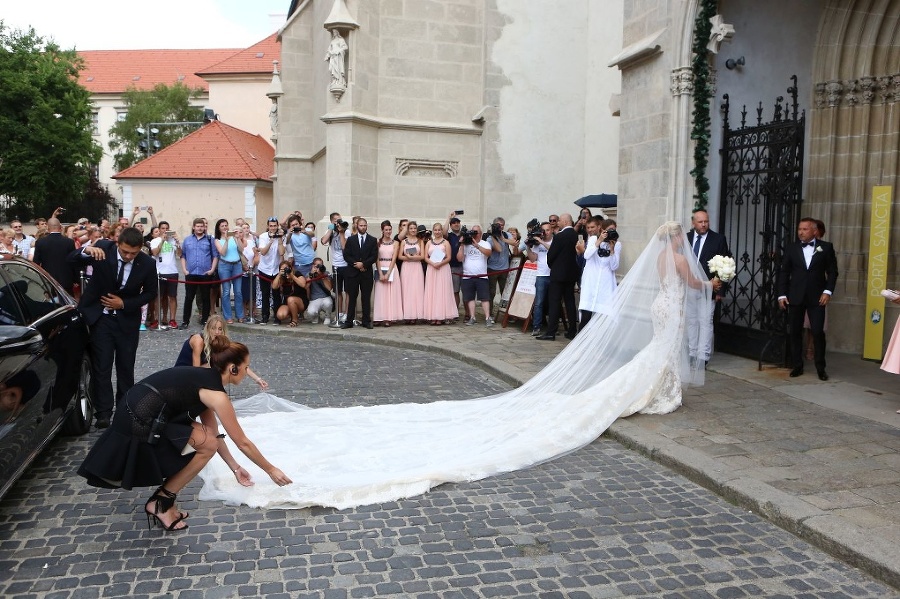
(97, 203)
(47, 149)
(162, 104)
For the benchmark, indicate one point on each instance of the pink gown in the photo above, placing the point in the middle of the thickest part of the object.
(891, 361)
(440, 303)
(388, 297)
(412, 280)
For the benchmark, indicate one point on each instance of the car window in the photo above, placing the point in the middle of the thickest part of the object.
(38, 295)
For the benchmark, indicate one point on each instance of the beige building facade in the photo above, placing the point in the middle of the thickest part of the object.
(437, 110)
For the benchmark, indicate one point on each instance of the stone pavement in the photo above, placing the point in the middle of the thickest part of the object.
(603, 521)
(819, 459)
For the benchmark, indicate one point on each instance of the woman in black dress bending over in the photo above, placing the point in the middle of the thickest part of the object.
(135, 452)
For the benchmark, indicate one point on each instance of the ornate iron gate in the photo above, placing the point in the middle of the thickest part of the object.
(762, 171)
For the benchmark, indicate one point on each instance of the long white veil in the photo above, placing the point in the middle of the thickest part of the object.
(633, 359)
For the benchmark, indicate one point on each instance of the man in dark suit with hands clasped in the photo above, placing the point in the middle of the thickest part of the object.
(124, 279)
(360, 252)
(805, 284)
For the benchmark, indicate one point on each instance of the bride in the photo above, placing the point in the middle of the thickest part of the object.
(633, 359)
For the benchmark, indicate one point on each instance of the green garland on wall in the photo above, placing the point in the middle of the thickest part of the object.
(702, 94)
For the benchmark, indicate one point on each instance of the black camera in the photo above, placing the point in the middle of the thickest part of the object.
(286, 272)
(534, 233)
(496, 230)
(603, 252)
(342, 225)
(319, 268)
(296, 229)
(422, 232)
(612, 235)
(466, 236)
(157, 426)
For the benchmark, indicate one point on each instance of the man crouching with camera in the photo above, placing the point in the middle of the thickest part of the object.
(293, 292)
(318, 290)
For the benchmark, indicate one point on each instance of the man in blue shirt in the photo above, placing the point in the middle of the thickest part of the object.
(199, 259)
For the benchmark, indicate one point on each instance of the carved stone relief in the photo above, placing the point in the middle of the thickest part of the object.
(414, 167)
(682, 82)
(857, 92)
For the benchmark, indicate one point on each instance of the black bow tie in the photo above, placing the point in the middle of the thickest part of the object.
(810, 243)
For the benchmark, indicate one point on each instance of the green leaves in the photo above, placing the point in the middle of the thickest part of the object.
(162, 104)
(46, 146)
(702, 93)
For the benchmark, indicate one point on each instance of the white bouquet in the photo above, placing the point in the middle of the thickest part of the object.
(723, 267)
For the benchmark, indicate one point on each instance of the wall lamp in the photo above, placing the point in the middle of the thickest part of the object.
(732, 63)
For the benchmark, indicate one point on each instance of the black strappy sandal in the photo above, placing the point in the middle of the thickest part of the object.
(164, 500)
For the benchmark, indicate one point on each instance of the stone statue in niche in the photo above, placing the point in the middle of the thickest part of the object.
(273, 117)
(337, 51)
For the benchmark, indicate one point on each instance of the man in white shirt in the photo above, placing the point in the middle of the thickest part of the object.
(474, 284)
(537, 252)
(21, 242)
(167, 250)
(271, 251)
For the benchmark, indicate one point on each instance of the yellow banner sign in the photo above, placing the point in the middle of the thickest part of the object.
(879, 238)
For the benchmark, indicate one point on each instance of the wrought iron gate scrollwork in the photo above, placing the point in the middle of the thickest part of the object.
(760, 197)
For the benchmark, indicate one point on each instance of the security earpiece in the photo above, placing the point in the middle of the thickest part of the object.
(234, 370)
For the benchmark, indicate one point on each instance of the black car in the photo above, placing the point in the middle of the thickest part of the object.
(44, 366)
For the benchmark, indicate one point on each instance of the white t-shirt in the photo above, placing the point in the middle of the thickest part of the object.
(474, 262)
(23, 246)
(337, 252)
(166, 264)
(249, 254)
(543, 270)
(268, 263)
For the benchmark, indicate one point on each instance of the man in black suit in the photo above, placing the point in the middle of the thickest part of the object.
(561, 258)
(124, 279)
(805, 284)
(360, 252)
(52, 251)
(706, 243)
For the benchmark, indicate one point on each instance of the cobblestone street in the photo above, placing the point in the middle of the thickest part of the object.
(600, 522)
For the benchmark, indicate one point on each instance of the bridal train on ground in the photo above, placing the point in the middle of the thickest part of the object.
(633, 359)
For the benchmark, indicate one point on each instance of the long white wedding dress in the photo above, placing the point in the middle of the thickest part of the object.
(631, 360)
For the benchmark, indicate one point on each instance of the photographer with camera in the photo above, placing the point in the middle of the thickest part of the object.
(293, 292)
(271, 252)
(453, 227)
(300, 244)
(473, 252)
(538, 243)
(318, 290)
(334, 239)
(601, 260)
(502, 247)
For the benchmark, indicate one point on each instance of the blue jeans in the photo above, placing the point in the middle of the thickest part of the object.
(541, 285)
(226, 271)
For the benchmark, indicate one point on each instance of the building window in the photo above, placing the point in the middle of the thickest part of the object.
(95, 123)
(121, 114)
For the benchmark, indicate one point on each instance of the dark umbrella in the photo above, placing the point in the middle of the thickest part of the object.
(600, 200)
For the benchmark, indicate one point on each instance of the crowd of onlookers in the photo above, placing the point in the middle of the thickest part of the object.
(411, 274)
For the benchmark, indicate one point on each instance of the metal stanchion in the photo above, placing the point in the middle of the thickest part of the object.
(253, 294)
(159, 321)
(336, 321)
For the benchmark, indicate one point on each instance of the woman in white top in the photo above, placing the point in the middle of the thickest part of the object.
(601, 260)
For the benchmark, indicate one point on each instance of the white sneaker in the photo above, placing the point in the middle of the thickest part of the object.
(327, 321)
(489, 322)
(470, 322)
(342, 318)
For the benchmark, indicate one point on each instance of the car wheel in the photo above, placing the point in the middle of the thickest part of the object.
(78, 422)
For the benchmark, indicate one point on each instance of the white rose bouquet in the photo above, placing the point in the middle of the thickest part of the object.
(723, 267)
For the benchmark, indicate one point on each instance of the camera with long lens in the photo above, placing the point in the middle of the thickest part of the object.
(534, 233)
(422, 232)
(286, 272)
(496, 230)
(466, 236)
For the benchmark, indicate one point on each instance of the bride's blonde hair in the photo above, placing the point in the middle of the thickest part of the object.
(669, 230)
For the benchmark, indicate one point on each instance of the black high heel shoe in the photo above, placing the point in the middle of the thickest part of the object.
(164, 500)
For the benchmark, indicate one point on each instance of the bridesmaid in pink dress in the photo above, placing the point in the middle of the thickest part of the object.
(440, 304)
(412, 278)
(388, 297)
(891, 361)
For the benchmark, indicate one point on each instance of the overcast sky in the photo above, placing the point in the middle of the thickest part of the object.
(157, 24)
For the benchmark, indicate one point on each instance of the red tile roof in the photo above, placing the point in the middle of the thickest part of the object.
(215, 151)
(255, 59)
(114, 71)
